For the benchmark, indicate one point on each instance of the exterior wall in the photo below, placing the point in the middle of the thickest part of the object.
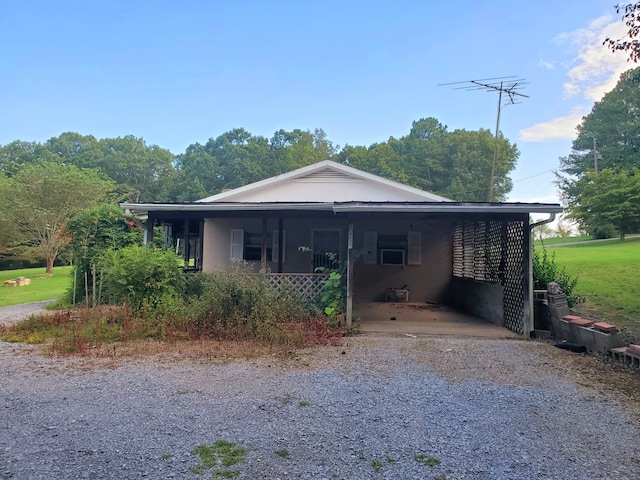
(298, 233)
(427, 282)
(482, 299)
(327, 188)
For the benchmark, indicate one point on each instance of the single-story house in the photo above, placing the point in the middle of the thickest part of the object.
(474, 256)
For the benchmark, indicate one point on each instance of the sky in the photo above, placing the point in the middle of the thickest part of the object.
(179, 72)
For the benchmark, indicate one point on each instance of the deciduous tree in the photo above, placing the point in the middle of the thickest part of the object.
(43, 196)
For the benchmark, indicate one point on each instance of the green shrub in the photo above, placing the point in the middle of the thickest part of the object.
(546, 270)
(143, 277)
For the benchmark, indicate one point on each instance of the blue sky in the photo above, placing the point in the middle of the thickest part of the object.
(176, 73)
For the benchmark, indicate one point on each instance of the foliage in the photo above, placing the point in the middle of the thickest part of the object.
(614, 123)
(44, 196)
(546, 270)
(630, 45)
(240, 304)
(453, 164)
(142, 277)
(332, 297)
(609, 199)
(91, 234)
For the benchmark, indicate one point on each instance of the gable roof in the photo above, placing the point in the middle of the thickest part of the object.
(325, 182)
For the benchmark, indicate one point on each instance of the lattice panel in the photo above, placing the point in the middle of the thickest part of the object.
(514, 273)
(308, 286)
(493, 252)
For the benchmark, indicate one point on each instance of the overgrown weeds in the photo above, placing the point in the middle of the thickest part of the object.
(222, 307)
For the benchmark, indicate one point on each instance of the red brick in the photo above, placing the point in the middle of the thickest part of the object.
(582, 322)
(605, 327)
(570, 318)
(635, 349)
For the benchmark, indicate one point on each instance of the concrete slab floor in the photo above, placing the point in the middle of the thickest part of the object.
(423, 319)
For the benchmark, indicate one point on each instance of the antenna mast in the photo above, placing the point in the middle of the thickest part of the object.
(510, 86)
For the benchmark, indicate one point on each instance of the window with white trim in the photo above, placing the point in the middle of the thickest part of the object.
(248, 246)
(396, 249)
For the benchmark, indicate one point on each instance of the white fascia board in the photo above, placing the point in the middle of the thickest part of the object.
(218, 206)
(450, 208)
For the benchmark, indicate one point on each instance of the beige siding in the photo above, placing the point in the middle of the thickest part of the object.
(428, 282)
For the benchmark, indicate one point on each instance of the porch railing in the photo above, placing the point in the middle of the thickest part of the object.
(307, 285)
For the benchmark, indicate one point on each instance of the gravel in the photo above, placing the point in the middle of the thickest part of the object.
(484, 408)
(15, 313)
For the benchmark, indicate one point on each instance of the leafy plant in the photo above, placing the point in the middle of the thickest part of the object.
(282, 453)
(376, 465)
(546, 270)
(141, 276)
(332, 297)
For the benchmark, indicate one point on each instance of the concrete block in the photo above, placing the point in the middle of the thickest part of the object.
(607, 342)
(565, 332)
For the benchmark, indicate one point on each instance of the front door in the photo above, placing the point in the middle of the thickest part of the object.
(326, 250)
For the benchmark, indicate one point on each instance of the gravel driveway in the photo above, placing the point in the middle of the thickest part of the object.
(378, 407)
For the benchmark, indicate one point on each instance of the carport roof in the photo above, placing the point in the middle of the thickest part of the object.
(347, 207)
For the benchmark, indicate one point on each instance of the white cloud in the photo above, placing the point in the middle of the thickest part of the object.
(546, 65)
(560, 127)
(596, 69)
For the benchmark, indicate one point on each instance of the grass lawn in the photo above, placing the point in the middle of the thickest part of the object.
(608, 277)
(559, 240)
(41, 288)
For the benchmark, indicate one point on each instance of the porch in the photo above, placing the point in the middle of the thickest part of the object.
(423, 319)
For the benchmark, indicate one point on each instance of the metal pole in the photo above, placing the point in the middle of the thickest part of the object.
(495, 150)
(595, 155)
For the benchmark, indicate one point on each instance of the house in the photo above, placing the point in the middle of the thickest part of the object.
(474, 256)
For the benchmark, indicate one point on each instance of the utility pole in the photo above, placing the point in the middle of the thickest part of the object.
(596, 155)
(508, 85)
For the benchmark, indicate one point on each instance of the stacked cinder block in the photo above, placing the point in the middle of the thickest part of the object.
(595, 336)
(629, 355)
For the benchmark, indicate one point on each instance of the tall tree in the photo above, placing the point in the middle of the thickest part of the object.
(18, 153)
(614, 123)
(42, 198)
(609, 198)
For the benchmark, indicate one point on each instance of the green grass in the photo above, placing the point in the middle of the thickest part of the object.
(41, 288)
(608, 278)
(560, 240)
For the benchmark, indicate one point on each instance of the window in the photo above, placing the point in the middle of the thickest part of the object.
(386, 249)
(248, 246)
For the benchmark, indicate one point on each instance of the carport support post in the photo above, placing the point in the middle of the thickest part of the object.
(349, 312)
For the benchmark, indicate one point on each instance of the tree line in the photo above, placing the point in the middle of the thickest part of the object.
(455, 164)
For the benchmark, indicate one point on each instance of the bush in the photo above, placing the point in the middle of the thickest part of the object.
(546, 270)
(240, 304)
(141, 276)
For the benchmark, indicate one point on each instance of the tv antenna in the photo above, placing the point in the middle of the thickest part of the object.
(505, 86)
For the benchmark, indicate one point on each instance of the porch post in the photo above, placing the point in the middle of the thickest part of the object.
(527, 280)
(349, 312)
(186, 254)
(280, 243)
(263, 252)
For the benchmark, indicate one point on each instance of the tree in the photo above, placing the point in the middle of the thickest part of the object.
(630, 45)
(90, 234)
(609, 198)
(42, 198)
(615, 125)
